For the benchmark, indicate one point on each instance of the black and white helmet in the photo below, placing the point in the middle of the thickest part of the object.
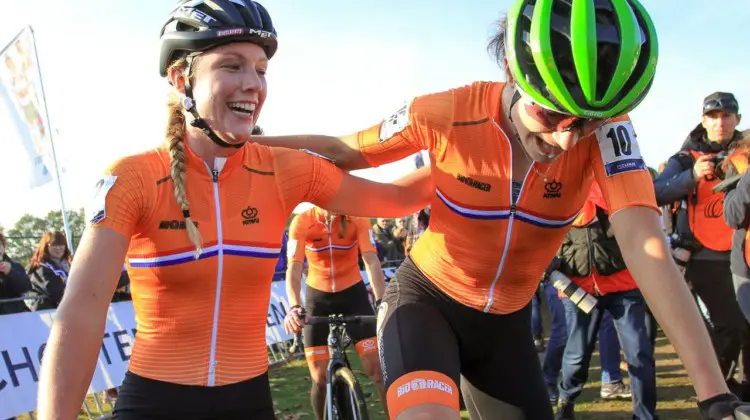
(198, 25)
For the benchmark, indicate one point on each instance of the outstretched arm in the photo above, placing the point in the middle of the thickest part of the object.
(360, 197)
(647, 255)
(343, 151)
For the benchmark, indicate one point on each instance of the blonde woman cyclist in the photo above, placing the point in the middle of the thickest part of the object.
(332, 244)
(199, 220)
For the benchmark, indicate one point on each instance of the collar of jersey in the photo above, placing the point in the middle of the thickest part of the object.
(196, 163)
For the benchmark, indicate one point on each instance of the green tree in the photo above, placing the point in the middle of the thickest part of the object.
(24, 237)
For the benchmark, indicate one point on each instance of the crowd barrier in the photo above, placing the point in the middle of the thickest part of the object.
(23, 338)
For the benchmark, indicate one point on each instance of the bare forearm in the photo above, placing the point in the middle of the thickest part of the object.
(402, 197)
(648, 258)
(294, 283)
(343, 151)
(68, 365)
(375, 274)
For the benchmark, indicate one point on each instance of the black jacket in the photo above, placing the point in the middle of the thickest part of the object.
(47, 282)
(737, 216)
(15, 284)
(591, 246)
(676, 181)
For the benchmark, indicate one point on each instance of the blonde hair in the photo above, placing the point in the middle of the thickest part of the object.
(176, 142)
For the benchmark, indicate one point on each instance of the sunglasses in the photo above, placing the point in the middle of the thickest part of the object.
(557, 122)
(725, 104)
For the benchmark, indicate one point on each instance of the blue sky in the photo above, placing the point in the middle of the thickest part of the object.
(342, 65)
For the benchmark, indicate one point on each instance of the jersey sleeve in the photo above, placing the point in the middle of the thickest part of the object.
(365, 237)
(619, 169)
(295, 248)
(120, 197)
(413, 127)
(305, 177)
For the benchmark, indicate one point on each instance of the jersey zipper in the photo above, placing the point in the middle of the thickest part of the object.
(511, 218)
(219, 275)
(330, 252)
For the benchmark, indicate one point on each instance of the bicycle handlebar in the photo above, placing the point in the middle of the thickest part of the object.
(340, 319)
(331, 319)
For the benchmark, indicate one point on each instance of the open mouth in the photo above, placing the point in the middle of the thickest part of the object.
(546, 149)
(242, 109)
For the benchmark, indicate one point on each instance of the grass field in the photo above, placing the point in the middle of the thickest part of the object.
(290, 384)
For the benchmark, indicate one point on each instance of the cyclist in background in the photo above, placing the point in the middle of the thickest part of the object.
(512, 165)
(333, 285)
(200, 221)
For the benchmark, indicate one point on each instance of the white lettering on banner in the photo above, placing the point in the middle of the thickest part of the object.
(23, 338)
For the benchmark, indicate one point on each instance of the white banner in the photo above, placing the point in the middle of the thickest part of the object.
(23, 338)
(21, 93)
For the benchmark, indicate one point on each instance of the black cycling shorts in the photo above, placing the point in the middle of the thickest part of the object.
(350, 301)
(429, 343)
(144, 398)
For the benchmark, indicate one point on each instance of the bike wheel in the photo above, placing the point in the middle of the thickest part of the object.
(347, 397)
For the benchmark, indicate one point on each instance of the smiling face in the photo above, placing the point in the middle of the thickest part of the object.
(229, 88)
(546, 134)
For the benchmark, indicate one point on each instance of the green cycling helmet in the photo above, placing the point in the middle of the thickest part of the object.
(586, 58)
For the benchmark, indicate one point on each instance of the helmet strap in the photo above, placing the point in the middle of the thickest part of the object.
(198, 122)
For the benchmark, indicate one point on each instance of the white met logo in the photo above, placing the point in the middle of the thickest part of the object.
(419, 384)
(395, 123)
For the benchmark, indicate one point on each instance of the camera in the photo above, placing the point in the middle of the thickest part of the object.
(718, 160)
(578, 296)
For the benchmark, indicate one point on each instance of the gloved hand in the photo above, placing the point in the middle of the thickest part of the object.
(724, 406)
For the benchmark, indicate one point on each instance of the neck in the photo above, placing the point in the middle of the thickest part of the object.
(205, 148)
(521, 160)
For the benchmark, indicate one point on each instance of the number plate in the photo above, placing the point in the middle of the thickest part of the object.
(619, 148)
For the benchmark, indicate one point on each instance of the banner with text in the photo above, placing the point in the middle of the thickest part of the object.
(23, 338)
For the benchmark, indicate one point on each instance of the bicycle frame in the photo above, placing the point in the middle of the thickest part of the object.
(338, 359)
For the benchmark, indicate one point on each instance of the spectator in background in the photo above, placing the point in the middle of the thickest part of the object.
(387, 251)
(737, 216)
(702, 240)
(48, 270)
(591, 258)
(400, 233)
(14, 283)
(417, 225)
(122, 292)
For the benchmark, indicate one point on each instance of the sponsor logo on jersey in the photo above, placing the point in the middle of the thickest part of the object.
(420, 383)
(482, 186)
(174, 225)
(250, 216)
(553, 189)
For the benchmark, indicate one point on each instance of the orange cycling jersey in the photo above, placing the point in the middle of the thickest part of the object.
(331, 251)
(202, 322)
(480, 248)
